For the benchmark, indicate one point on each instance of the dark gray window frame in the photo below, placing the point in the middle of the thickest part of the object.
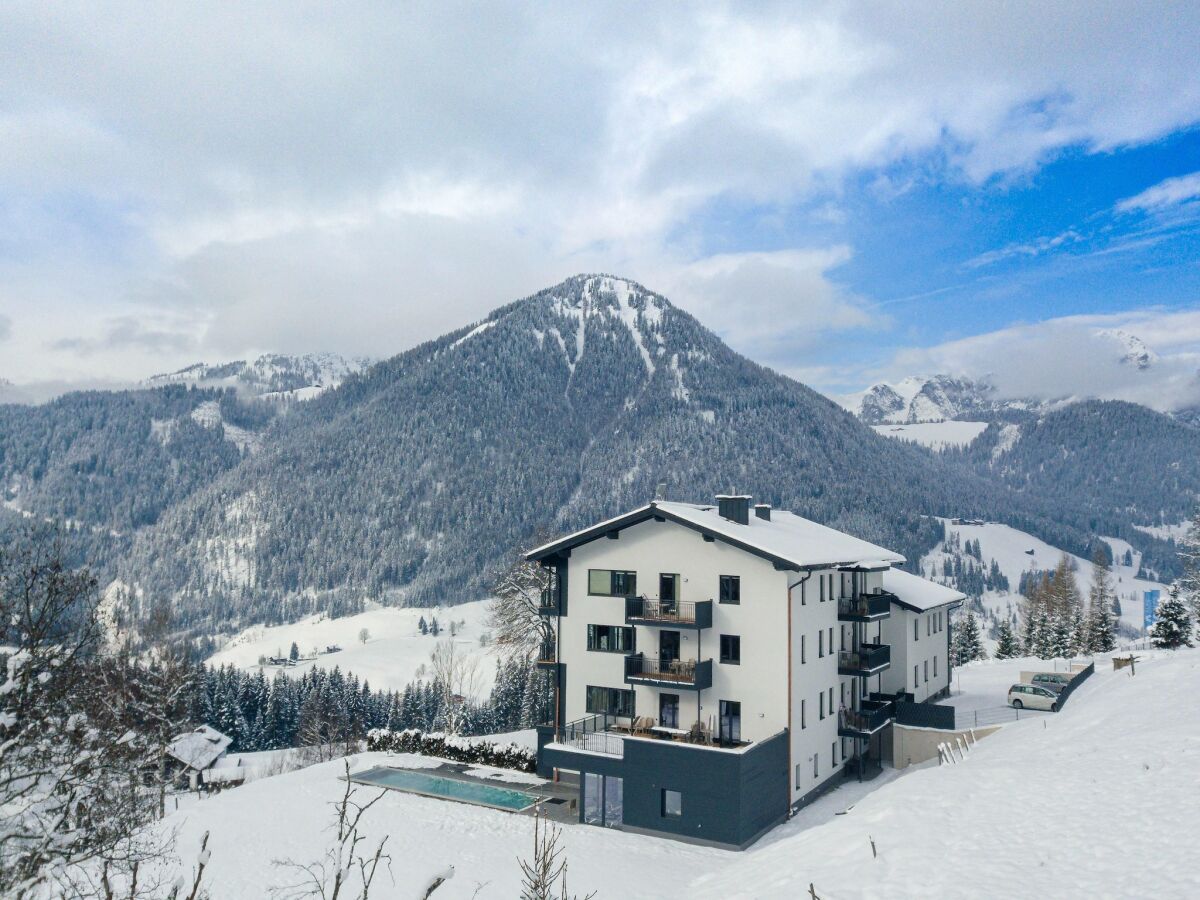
(731, 595)
(736, 640)
(611, 694)
(627, 630)
(612, 583)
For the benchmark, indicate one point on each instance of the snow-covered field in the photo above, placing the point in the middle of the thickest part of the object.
(392, 657)
(935, 435)
(1099, 800)
(1009, 547)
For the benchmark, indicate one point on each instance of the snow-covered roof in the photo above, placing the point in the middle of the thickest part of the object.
(786, 539)
(919, 594)
(199, 749)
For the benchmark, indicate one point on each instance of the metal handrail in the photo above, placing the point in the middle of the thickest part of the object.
(663, 610)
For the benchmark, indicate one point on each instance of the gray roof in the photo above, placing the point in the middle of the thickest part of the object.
(199, 749)
(788, 540)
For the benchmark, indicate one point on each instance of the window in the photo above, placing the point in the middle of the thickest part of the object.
(803, 651)
(842, 694)
(830, 585)
(821, 701)
(831, 700)
(926, 671)
(610, 638)
(730, 590)
(797, 776)
(803, 602)
(928, 626)
(614, 701)
(831, 639)
(916, 629)
(916, 681)
(612, 583)
(815, 761)
(820, 644)
(672, 804)
(821, 581)
(935, 667)
(833, 754)
(803, 710)
(731, 649)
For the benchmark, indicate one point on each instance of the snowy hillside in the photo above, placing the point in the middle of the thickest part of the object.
(395, 654)
(935, 435)
(1010, 549)
(1095, 776)
(271, 376)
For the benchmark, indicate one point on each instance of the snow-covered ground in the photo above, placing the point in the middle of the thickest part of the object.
(392, 657)
(1099, 800)
(935, 435)
(1009, 547)
(984, 685)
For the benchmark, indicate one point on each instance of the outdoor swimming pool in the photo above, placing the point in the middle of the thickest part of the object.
(447, 788)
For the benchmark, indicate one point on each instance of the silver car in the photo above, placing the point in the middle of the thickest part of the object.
(1032, 696)
(1053, 681)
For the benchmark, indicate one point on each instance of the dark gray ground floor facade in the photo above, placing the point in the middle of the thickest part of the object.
(700, 794)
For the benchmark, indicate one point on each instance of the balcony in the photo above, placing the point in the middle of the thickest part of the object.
(867, 720)
(668, 613)
(595, 734)
(548, 603)
(869, 659)
(687, 674)
(547, 655)
(865, 607)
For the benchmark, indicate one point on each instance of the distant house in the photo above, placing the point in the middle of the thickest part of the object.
(194, 753)
(332, 648)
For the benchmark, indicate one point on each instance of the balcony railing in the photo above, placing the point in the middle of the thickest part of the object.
(669, 613)
(684, 673)
(865, 607)
(548, 603)
(547, 654)
(592, 733)
(872, 716)
(869, 659)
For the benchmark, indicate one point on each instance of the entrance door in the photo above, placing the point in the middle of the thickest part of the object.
(603, 800)
(668, 646)
(731, 721)
(668, 710)
(668, 591)
(614, 801)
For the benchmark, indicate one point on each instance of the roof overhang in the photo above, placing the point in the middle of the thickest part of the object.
(563, 546)
(898, 601)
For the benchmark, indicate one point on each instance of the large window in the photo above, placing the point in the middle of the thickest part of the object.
(612, 583)
(731, 649)
(614, 701)
(672, 804)
(610, 638)
(730, 590)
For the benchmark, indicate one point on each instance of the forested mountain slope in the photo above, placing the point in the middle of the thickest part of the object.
(414, 480)
(1128, 464)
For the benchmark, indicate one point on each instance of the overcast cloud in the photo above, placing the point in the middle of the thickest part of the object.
(185, 182)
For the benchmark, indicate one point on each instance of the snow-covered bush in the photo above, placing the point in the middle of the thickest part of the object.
(458, 749)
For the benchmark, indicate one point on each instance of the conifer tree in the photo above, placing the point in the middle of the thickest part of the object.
(1098, 630)
(967, 645)
(1189, 584)
(1173, 626)
(1007, 646)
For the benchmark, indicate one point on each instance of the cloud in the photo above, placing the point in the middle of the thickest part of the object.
(124, 333)
(359, 179)
(1038, 247)
(1168, 193)
(1077, 356)
(5, 327)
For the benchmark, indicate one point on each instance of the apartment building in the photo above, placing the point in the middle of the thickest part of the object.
(716, 666)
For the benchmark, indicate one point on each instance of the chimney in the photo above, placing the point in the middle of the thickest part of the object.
(763, 511)
(734, 507)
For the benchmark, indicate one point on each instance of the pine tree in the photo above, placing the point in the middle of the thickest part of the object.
(1173, 626)
(1007, 646)
(423, 626)
(967, 645)
(1099, 626)
(1189, 584)
(294, 653)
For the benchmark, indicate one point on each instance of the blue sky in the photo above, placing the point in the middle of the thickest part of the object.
(930, 186)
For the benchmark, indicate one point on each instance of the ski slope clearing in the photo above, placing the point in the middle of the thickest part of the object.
(395, 654)
(935, 435)
(1099, 800)
(1010, 548)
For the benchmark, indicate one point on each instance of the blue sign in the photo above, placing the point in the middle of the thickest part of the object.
(1149, 607)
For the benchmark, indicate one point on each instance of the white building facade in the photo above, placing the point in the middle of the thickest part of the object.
(716, 667)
